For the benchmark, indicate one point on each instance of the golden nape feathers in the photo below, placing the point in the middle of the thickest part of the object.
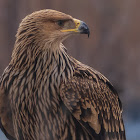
(45, 94)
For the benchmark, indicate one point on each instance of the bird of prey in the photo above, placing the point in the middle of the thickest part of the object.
(45, 94)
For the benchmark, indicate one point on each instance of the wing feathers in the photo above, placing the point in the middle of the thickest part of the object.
(95, 106)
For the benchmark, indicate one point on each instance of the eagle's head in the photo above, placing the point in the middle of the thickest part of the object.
(45, 29)
(50, 25)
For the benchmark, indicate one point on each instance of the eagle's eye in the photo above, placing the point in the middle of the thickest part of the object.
(60, 23)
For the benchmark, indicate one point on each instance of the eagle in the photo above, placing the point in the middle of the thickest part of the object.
(46, 94)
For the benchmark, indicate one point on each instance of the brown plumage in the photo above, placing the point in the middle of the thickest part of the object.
(45, 94)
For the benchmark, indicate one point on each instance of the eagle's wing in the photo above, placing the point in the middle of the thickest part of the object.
(6, 124)
(96, 105)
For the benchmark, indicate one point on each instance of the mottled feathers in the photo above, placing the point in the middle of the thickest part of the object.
(94, 103)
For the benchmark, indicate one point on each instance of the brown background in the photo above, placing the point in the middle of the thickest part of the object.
(113, 47)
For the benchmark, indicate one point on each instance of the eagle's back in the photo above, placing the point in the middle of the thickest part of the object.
(94, 102)
(83, 106)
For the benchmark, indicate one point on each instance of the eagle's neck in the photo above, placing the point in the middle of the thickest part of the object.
(57, 64)
(45, 55)
(43, 75)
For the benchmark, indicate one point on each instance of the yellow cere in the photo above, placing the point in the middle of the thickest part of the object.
(77, 24)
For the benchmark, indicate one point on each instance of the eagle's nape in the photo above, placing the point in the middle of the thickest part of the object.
(47, 94)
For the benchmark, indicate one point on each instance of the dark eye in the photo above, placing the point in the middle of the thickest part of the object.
(60, 23)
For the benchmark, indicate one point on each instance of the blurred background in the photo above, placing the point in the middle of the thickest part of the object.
(113, 47)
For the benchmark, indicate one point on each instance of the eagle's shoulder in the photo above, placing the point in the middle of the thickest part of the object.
(94, 102)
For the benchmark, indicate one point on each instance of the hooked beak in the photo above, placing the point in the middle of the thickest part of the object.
(81, 27)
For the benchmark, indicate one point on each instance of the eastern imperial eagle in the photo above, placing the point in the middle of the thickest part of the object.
(45, 94)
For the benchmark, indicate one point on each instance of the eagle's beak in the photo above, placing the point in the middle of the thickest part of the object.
(81, 27)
